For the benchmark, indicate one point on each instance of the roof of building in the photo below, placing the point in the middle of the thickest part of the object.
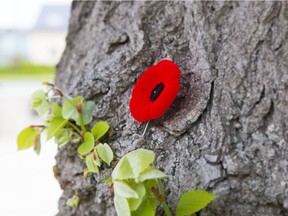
(53, 17)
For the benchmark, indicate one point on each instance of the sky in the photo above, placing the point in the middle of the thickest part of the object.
(22, 14)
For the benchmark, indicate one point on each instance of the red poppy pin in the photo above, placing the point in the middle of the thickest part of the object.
(155, 91)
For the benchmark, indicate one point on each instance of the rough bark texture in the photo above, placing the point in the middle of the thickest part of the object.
(227, 130)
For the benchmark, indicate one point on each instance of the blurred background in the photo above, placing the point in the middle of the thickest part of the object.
(32, 39)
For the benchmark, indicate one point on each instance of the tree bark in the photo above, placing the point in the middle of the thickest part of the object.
(226, 132)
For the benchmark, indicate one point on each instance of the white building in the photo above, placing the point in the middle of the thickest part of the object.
(13, 46)
(46, 41)
(43, 44)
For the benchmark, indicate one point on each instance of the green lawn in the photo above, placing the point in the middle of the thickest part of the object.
(27, 71)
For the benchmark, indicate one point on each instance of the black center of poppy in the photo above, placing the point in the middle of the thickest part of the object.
(156, 91)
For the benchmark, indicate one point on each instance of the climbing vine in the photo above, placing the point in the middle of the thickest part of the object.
(67, 124)
(137, 183)
(138, 188)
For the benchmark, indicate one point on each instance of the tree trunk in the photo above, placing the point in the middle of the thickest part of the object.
(226, 131)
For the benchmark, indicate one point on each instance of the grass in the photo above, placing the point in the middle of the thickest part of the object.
(27, 71)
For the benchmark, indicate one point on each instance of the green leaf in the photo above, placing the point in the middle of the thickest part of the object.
(55, 126)
(105, 153)
(149, 184)
(69, 108)
(193, 201)
(56, 109)
(134, 203)
(151, 173)
(63, 137)
(132, 164)
(92, 167)
(123, 170)
(121, 206)
(86, 172)
(124, 190)
(38, 96)
(56, 171)
(87, 109)
(100, 129)
(39, 102)
(26, 138)
(108, 180)
(147, 207)
(73, 201)
(62, 141)
(87, 145)
(149, 203)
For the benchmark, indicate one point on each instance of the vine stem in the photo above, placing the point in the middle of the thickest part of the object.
(74, 127)
(81, 122)
(166, 208)
(163, 203)
(54, 97)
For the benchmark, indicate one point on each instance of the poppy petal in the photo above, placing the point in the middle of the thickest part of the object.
(146, 82)
(167, 71)
(139, 110)
(164, 100)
